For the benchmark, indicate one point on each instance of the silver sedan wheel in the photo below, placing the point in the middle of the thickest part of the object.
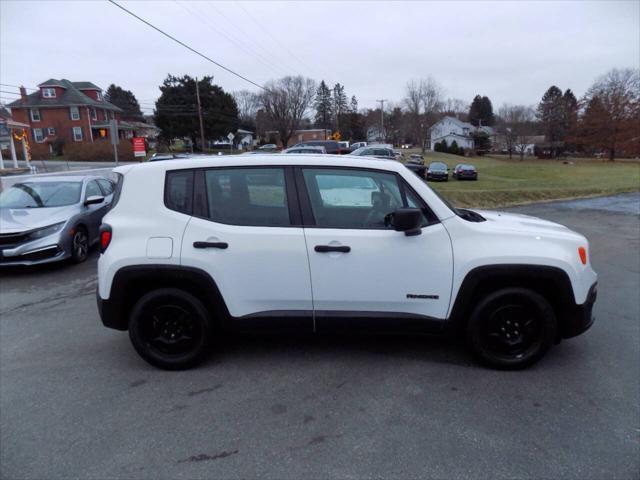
(80, 246)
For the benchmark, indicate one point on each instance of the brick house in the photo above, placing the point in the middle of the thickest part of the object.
(72, 111)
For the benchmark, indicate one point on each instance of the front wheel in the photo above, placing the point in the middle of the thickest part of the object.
(79, 245)
(170, 329)
(511, 329)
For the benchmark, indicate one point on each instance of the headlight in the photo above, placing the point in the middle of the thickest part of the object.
(46, 231)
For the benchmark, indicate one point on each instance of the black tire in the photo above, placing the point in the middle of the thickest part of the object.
(511, 329)
(79, 245)
(170, 329)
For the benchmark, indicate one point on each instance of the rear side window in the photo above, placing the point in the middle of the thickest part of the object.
(247, 196)
(178, 191)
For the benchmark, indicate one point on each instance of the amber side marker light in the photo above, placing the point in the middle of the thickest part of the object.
(583, 255)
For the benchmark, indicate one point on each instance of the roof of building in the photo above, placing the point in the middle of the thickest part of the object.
(86, 86)
(71, 97)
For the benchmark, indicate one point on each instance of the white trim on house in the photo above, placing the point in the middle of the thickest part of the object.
(38, 135)
(94, 113)
(74, 112)
(48, 92)
(51, 131)
(77, 134)
(33, 113)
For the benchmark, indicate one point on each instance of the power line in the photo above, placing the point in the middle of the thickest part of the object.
(12, 93)
(186, 46)
(17, 86)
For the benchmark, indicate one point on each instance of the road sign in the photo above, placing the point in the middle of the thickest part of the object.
(138, 147)
(231, 136)
(336, 136)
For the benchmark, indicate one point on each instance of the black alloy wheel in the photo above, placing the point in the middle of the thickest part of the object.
(170, 329)
(79, 245)
(511, 328)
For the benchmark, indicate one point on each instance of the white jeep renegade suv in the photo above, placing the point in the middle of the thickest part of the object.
(320, 243)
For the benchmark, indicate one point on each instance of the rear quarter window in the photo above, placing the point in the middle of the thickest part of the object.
(178, 191)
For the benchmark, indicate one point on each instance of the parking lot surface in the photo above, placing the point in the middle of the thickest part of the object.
(77, 401)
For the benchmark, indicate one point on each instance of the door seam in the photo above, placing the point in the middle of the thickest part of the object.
(313, 306)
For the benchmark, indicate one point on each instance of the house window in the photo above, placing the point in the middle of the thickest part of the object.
(77, 134)
(51, 131)
(99, 96)
(94, 114)
(106, 115)
(35, 115)
(75, 113)
(38, 136)
(48, 93)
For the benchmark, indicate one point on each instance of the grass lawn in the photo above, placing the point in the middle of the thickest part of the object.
(509, 182)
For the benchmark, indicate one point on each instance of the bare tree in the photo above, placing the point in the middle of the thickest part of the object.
(522, 124)
(286, 102)
(456, 107)
(423, 102)
(248, 103)
(612, 112)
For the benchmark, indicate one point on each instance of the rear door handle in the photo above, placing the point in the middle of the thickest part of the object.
(332, 248)
(221, 245)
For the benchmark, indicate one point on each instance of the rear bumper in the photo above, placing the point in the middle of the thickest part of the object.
(109, 313)
(580, 318)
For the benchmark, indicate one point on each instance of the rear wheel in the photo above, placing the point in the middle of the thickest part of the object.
(511, 328)
(170, 329)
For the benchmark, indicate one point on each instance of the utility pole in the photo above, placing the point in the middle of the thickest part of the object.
(382, 117)
(200, 115)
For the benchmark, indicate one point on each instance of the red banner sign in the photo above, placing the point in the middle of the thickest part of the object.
(138, 147)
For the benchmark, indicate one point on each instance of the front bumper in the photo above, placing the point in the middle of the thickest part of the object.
(580, 318)
(437, 176)
(33, 256)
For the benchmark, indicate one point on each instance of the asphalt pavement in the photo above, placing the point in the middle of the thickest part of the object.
(76, 401)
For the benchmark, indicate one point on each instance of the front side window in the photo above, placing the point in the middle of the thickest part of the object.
(75, 113)
(346, 198)
(38, 136)
(92, 190)
(247, 196)
(35, 115)
(106, 186)
(77, 134)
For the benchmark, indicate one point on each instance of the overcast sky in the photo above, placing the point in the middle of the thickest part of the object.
(509, 51)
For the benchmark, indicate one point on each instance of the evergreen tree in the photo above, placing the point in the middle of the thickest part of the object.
(551, 114)
(340, 104)
(354, 104)
(481, 112)
(323, 105)
(454, 148)
(125, 100)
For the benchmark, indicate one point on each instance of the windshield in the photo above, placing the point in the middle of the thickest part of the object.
(41, 194)
(438, 166)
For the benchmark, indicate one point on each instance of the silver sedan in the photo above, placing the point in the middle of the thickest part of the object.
(52, 218)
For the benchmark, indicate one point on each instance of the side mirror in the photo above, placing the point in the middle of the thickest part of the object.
(94, 200)
(407, 220)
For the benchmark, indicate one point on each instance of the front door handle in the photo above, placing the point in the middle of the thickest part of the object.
(332, 248)
(221, 245)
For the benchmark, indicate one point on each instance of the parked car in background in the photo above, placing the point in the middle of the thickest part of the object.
(438, 171)
(156, 157)
(330, 146)
(48, 219)
(305, 150)
(406, 146)
(268, 147)
(465, 171)
(397, 154)
(356, 145)
(416, 165)
(374, 151)
(344, 144)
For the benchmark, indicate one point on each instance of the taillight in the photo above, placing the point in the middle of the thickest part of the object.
(105, 237)
(582, 252)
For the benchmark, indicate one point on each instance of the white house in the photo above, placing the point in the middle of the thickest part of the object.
(450, 129)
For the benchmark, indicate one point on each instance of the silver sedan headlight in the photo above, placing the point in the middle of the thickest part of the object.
(46, 231)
